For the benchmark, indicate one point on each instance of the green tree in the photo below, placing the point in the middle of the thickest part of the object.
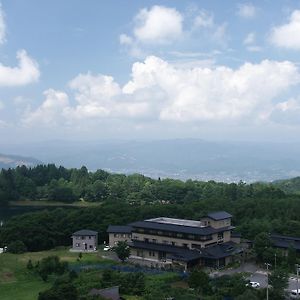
(262, 245)
(199, 280)
(278, 279)
(122, 250)
(16, 247)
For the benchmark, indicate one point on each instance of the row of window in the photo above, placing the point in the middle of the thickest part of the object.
(83, 237)
(122, 235)
(78, 245)
(174, 234)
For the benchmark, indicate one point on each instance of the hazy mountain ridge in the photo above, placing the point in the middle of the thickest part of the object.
(12, 161)
(181, 158)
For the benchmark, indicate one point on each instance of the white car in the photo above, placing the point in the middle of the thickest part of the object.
(294, 294)
(254, 284)
(107, 248)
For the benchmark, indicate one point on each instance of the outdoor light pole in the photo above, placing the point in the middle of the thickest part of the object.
(268, 265)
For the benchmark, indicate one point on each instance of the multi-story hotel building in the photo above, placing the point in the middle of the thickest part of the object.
(169, 242)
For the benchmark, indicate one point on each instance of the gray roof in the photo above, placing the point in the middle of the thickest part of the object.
(219, 215)
(284, 241)
(119, 229)
(179, 228)
(85, 232)
(184, 254)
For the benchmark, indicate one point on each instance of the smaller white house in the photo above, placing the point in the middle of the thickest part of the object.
(84, 241)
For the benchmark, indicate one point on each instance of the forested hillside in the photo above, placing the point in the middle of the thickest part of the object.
(256, 207)
(291, 186)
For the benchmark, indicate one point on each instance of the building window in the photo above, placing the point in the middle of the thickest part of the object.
(151, 253)
(91, 247)
(179, 235)
(220, 235)
(185, 245)
(191, 236)
(77, 245)
(165, 242)
(146, 240)
(153, 240)
(173, 243)
(116, 235)
(90, 237)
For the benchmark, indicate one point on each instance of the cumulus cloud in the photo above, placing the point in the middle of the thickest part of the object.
(219, 93)
(246, 10)
(287, 35)
(26, 72)
(159, 90)
(158, 24)
(52, 110)
(2, 26)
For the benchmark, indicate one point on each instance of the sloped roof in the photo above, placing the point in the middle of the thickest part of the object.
(219, 215)
(184, 254)
(85, 232)
(119, 229)
(284, 241)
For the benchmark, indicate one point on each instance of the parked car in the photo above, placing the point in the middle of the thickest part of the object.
(294, 294)
(107, 248)
(254, 284)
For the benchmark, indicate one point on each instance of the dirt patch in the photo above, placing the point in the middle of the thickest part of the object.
(180, 284)
(7, 277)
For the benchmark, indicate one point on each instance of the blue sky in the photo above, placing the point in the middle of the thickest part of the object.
(149, 69)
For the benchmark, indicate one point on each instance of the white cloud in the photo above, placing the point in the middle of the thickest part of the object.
(203, 20)
(250, 41)
(219, 93)
(26, 72)
(162, 91)
(246, 10)
(52, 110)
(125, 39)
(250, 38)
(157, 25)
(287, 112)
(2, 26)
(288, 35)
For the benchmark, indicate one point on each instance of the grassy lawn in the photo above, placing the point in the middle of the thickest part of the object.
(16, 283)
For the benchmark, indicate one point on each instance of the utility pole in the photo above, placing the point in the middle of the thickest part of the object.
(297, 270)
(268, 265)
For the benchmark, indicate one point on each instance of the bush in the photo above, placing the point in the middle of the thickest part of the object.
(16, 247)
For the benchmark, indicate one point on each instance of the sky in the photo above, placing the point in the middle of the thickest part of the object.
(92, 70)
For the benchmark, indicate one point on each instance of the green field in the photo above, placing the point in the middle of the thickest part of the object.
(17, 283)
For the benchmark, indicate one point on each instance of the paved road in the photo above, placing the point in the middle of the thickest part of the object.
(257, 274)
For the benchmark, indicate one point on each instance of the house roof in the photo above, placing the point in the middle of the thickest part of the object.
(180, 253)
(119, 229)
(219, 215)
(85, 232)
(111, 293)
(284, 241)
(186, 255)
(179, 228)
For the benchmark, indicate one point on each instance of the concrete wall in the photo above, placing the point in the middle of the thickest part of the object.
(216, 224)
(84, 243)
(114, 238)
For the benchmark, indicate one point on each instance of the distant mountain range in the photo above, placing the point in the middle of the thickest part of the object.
(178, 158)
(12, 161)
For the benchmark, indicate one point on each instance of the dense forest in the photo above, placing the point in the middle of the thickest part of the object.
(122, 199)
